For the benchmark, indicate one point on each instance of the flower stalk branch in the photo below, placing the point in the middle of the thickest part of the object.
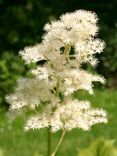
(49, 143)
(59, 143)
(67, 50)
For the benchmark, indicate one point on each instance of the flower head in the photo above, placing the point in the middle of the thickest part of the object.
(67, 44)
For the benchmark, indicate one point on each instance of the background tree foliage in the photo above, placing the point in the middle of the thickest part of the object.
(21, 24)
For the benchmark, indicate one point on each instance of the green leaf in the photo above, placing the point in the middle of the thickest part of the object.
(1, 152)
(37, 154)
(100, 147)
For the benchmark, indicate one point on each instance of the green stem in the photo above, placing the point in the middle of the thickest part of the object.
(58, 86)
(59, 143)
(67, 50)
(49, 142)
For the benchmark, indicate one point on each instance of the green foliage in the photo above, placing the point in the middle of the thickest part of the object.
(11, 68)
(1, 152)
(38, 154)
(111, 50)
(100, 147)
(21, 23)
(108, 64)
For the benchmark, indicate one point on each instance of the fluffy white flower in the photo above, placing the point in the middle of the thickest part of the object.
(71, 114)
(30, 93)
(86, 49)
(79, 79)
(83, 26)
(37, 122)
(32, 54)
(66, 45)
(40, 73)
(76, 114)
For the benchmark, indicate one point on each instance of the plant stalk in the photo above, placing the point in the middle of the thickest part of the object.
(49, 142)
(67, 49)
(58, 86)
(66, 52)
(59, 143)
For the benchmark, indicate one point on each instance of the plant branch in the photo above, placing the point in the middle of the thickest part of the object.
(49, 142)
(59, 143)
(67, 50)
(58, 86)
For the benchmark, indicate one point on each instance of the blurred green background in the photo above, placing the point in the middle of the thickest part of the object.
(21, 24)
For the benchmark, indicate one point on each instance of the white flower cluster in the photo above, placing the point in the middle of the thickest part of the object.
(67, 44)
(70, 114)
(30, 93)
(79, 79)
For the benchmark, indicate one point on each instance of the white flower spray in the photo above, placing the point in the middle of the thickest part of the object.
(67, 44)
